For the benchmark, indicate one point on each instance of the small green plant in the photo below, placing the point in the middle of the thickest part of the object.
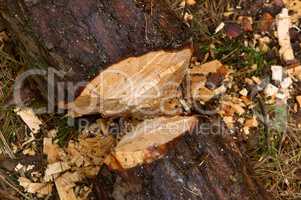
(65, 132)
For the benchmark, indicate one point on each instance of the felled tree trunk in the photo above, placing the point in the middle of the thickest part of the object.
(205, 165)
(81, 38)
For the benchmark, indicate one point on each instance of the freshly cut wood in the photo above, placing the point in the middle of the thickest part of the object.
(30, 118)
(250, 123)
(65, 187)
(41, 189)
(53, 151)
(198, 81)
(283, 25)
(146, 142)
(89, 151)
(135, 85)
(81, 38)
(206, 164)
(56, 168)
(81, 159)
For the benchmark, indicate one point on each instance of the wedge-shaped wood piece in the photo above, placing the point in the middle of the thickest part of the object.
(142, 84)
(148, 140)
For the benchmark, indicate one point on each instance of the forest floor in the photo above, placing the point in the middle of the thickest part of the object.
(240, 34)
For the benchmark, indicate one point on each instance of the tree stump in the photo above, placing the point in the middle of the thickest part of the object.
(81, 38)
(206, 164)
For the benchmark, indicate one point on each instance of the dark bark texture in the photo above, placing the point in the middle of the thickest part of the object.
(81, 37)
(203, 165)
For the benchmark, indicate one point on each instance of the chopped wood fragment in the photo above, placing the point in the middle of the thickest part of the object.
(229, 121)
(53, 151)
(199, 81)
(29, 152)
(243, 92)
(138, 84)
(90, 151)
(190, 2)
(30, 118)
(188, 17)
(19, 167)
(42, 189)
(250, 123)
(219, 27)
(277, 72)
(283, 25)
(56, 168)
(146, 142)
(237, 107)
(256, 80)
(65, 187)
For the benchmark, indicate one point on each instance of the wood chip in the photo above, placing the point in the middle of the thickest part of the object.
(144, 144)
(190, 2)
(42, 189)
(256, 80)
(229, 121)
(250, 123)
(199, 77)
(237, 107)
(65, 187)
(139, 83)
(283, 25)
(30, 118)
(243, 92)
(56, 168)
(277, 72)
(53, 151)
(219, 27)
(90, 151)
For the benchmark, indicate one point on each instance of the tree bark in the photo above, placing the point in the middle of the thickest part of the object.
(81, 38)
